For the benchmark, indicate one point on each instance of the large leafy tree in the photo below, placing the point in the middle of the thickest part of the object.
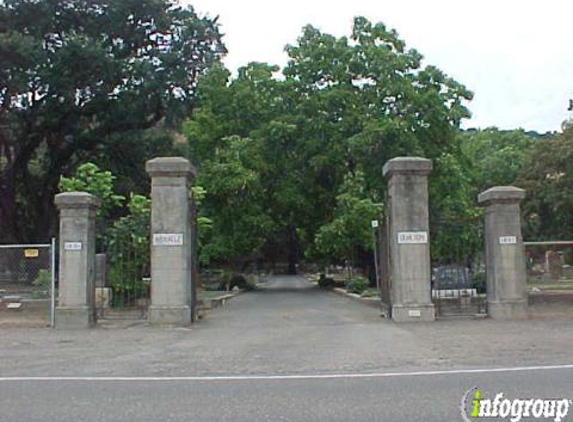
(495, 157)
(477, 160)
(342, 107)
(548, 180)
(366, 99)
(74, 76)
(349, 230)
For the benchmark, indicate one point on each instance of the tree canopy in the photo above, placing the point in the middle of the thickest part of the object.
(339, 110)
(78, 76)
(547, 178)
(289, 159)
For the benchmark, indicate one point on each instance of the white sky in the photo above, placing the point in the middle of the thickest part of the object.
(516, 56)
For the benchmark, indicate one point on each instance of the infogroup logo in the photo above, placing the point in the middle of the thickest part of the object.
(474, 406)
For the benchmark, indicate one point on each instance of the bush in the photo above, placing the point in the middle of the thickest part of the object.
(43, 282)
(479, 282)
(237, 280)
(357, 285)
(325, 282)
(212, 287)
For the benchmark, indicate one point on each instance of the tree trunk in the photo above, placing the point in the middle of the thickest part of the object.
(8, 220)
(292, 244)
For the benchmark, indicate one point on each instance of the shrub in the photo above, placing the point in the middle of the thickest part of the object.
(479, 282)
(237, 280)
(357, 285)
(325, 282)
(213, 287)
(43, 282)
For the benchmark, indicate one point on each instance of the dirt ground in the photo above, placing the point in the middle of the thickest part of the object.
(287, 328)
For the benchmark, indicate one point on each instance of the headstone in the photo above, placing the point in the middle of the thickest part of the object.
(451, 277)
(555, 262)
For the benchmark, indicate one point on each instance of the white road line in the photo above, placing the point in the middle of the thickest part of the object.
(292, 377)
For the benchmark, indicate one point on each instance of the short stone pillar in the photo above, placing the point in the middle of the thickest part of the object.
(171, 241)
(409, 239)
(76, 293)
(505, 255)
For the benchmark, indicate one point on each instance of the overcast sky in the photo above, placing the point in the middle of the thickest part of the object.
(516, 56)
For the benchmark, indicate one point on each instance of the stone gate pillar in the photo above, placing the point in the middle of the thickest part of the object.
(505, 256)
(76, 293)
(171, 241)
(408, 238)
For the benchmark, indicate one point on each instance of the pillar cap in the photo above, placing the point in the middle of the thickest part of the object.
(501, 194)
(170, 167)
(407, 165)
(76, 200)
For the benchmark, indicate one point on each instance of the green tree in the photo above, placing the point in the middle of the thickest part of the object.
(547, 178)
(495, 157)
(349, 231)
(342, 105)
(455, 219)
(232, 181)
(89, 178)
(128, 250)
(75, 75)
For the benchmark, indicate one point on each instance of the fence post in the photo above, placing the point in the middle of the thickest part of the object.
(505, 254)
(53, 282)
(409, 240)
(171, 241)
(76, 295)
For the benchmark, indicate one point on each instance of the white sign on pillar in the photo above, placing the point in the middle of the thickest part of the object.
(420, 237)
(507, 240)
(72, 246)
(168, 239)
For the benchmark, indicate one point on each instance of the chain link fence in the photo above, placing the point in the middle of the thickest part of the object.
(27, 284)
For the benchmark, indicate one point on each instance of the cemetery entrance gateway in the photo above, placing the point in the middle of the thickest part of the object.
(406, 257)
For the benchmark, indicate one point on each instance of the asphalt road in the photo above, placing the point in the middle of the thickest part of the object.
(424, 398)
(289, 352)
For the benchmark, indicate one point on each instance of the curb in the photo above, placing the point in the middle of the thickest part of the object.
(369, 301)
(206, 306)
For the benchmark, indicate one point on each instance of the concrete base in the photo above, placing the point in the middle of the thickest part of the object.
(169, 315)
(414, 313)
(75, 318)
(507, 310)
(385, 310)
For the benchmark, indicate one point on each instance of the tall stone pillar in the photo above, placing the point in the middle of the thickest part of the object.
(408, 238)
(505, 255)
(76, 294)
(171, 241)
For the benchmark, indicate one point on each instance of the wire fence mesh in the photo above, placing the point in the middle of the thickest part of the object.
(27, 283)
(124, 289)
